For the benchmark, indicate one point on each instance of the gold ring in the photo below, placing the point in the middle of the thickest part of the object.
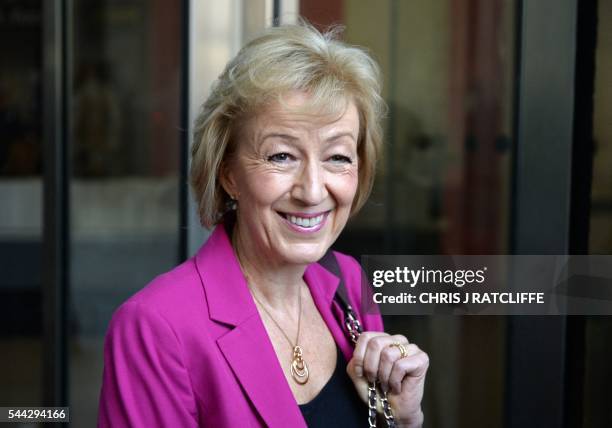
(402, 349)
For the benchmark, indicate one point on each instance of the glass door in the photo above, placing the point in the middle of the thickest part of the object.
(598, 329)
(21, 204)
(125, 138)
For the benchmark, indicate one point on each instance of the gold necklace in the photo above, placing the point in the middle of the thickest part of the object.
(299, 368)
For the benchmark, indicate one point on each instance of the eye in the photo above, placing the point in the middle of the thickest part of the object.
(280, 157)
(340, 159)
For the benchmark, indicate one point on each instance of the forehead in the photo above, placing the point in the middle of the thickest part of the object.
(297, 111)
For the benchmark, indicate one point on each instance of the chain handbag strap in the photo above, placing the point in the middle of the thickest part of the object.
(354, 330)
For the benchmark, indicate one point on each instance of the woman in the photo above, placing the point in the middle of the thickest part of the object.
(249, 332)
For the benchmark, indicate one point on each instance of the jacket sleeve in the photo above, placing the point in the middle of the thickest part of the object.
(145, 382)
(360, 293)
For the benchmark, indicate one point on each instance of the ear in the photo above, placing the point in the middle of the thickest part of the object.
(227, 179)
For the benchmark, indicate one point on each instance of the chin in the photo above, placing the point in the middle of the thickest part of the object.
(306, 256)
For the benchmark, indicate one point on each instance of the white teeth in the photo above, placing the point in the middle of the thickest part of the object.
(305, 222)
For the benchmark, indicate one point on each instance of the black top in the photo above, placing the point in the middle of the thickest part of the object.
(337, 404)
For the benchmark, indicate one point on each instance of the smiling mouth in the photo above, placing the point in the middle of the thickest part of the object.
(305, 222)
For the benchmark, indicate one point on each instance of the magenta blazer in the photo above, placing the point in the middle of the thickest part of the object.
(190, 349)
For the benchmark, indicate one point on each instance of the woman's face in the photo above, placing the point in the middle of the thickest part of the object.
(294, 176)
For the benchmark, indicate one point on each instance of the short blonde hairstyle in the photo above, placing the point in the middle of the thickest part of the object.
(285, 59)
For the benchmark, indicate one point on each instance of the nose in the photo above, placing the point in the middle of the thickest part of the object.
(310, 187)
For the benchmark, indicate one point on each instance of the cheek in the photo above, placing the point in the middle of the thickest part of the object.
(266, 188)
(346, 188)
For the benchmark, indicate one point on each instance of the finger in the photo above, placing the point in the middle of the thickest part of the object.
(414, 365)
(360, 349)
(388, 357)
(374, 348)
(350, 369)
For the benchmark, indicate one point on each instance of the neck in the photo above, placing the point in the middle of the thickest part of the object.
(276, 285)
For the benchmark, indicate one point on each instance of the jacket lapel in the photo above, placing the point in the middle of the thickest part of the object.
(246, 346)
(323, 285)
(251, 356)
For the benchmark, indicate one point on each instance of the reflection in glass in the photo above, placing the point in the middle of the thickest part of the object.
(20, 204)
(125, 187)
(598, 349)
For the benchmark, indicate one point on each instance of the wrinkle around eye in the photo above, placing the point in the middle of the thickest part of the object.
(263, 165)
(343, 168)
(255, 164)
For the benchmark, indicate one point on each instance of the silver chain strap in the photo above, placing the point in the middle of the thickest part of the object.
(354, 329)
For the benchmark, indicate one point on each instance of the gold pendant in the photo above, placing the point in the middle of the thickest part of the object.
(299, 369)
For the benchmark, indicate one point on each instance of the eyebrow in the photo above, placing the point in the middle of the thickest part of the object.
(340, 135)
(279, 135)
(292, 138)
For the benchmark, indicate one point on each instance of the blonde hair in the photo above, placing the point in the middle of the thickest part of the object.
(284, 59)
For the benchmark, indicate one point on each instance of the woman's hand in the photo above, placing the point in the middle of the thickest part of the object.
(403, 378)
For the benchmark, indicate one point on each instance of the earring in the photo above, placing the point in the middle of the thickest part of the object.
(232, 204)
